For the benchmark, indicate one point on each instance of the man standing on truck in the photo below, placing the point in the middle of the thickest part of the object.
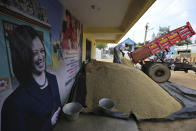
(119, 49)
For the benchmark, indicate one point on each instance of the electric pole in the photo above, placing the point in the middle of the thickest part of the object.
(146, 32)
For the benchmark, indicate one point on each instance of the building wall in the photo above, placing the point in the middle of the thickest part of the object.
(130, 42)
(191, 57)
(54, 64)
(192, 48)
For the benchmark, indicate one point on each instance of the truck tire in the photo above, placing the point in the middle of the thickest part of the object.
(159, 73)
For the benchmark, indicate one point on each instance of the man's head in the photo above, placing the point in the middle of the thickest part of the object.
(128, 46)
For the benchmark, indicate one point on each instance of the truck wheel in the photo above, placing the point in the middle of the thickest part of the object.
(159, 73)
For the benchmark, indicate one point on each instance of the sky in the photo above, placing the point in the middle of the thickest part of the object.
(164, 13)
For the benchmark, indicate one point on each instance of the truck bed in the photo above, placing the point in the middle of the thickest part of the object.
(162, 43)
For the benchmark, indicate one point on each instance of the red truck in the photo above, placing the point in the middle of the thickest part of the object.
(159, 71)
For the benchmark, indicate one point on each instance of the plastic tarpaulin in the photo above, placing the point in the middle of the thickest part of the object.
(186, 96)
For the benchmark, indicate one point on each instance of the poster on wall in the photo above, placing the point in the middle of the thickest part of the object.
(69, 47)
(8, 30)
(32, 8)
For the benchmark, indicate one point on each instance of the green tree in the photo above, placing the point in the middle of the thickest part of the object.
(163, 30)
(101, 46)
(187, 42)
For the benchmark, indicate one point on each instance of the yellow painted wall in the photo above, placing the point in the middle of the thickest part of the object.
(191, 59)
(93, 46)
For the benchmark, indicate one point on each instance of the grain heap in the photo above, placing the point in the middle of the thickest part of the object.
(130, 89)
(127, 62)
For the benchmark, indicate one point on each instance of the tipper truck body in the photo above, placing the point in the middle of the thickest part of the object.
(159, 71)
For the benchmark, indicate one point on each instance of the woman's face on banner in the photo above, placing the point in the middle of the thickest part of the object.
(38, 56)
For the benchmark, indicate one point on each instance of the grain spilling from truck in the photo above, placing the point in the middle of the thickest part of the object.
(129, 88)
(127, 62)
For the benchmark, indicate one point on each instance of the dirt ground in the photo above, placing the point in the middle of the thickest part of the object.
(182, 78)
(105, 60)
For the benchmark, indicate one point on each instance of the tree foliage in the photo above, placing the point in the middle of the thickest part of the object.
(163, 30)
(101, 46)
(187, 42)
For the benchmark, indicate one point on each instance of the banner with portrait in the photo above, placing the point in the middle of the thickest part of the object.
(69, 47)
(9, 30)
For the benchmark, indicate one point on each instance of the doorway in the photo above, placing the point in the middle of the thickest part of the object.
(88, 50)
